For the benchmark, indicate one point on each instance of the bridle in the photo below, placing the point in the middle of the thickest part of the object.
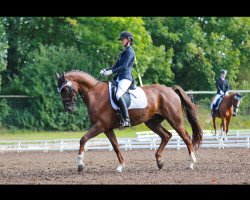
(236, 107)
(71, 88)
(236, 97)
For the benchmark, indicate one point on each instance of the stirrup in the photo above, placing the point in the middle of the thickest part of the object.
(126, 123)
(212, 113)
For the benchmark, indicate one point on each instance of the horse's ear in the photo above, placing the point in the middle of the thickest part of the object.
(57, 75)
(63, 76)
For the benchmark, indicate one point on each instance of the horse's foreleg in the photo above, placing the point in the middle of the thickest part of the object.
(227, 121)
(112, 138)
(223, 126)
(94, 131)
(227, 124)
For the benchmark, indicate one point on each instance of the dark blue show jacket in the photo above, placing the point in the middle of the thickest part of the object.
(222, 85)
(124, 64)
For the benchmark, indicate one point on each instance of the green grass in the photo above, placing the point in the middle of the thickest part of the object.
(239, 122)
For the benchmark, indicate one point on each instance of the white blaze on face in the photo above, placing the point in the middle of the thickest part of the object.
(238, 105)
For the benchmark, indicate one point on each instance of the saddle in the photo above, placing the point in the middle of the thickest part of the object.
(126, 95)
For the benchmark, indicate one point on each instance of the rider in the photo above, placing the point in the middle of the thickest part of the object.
(123, 71)
(222, 89)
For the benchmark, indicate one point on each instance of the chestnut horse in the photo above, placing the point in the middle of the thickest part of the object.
(228, 107)
(163, 103)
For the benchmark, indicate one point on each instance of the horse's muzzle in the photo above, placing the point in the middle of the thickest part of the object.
(235, 111)
(69, 108)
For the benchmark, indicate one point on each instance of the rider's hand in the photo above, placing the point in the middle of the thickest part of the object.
(222, 93)
(102, 72)
(107, 73)
(226, 93)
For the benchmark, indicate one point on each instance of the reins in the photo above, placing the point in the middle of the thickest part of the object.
(83, 95)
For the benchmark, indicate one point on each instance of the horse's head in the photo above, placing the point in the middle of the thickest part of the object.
(236, 103)
(68, 92)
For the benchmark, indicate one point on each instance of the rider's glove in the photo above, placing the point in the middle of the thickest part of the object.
(107, 73)
(102, 72)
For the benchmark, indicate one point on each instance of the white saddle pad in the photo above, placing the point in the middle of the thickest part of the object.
(138, 98)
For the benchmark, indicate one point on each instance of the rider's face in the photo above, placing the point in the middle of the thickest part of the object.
(223, 75)
(124, 41)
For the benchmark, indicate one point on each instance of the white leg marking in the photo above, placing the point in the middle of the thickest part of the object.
(192, 160)
(80, 159)
(119, 167)
(192, 157)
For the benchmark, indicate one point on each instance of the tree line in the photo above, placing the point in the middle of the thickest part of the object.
(187, 51)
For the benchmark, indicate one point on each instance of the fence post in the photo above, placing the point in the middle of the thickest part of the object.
(110, 147)
(154, 144)
(178, 143)
(151, 143)
(46, 146)
(86, 146)
(127, 145)
(61, 146)
(221, 143)
(19, 147)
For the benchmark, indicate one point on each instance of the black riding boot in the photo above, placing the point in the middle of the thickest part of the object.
(124, 112)
(213, 110)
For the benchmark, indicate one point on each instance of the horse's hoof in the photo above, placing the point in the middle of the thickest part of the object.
(119, 168)
(160, 163)
(191, 166)
(80, 168)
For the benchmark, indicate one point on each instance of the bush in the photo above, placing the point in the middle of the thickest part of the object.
(5, 109)
(38, 80)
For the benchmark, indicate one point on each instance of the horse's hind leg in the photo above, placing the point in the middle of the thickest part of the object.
(214, 124)
(187, 140)
(155, 125)
(178, 126)
(112, 138)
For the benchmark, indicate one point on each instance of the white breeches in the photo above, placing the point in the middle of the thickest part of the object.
(123, 85)
(215, 99)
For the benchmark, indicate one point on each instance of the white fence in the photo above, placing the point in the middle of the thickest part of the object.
(144, 140)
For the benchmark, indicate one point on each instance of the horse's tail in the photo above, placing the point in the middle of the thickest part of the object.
(191, 114)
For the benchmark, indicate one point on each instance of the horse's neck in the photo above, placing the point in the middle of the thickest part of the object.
(229, 102)
(84, 80)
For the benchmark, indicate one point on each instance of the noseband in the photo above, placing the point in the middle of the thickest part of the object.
(70, 86)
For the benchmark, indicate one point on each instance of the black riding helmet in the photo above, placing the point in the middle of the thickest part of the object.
(127, 35)
(224, 72)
